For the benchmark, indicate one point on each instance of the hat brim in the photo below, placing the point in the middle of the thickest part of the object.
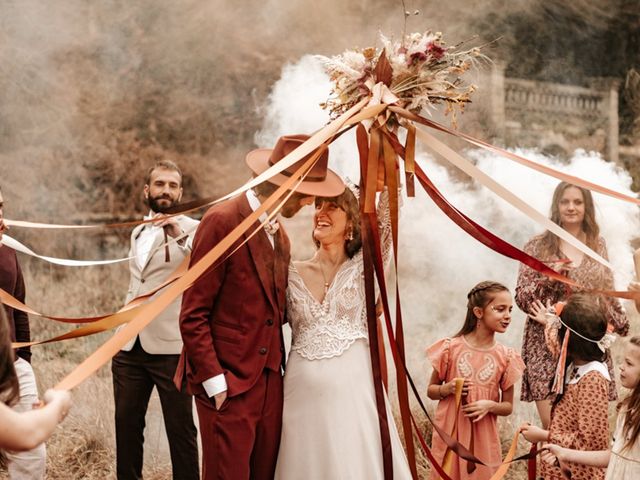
(331, 186)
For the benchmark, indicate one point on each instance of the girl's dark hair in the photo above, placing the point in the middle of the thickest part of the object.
(479, 296)
(550, 244)
(584, 314)
(9, 389)
(346, 201)
(631, 429)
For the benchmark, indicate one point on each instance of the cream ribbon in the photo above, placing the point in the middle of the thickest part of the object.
(453, 157)
(300, 152)
(380, 95)
(66, 262)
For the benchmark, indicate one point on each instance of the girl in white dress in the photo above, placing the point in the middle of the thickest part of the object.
(330, 424)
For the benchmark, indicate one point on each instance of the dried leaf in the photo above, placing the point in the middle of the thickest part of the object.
(383, 71)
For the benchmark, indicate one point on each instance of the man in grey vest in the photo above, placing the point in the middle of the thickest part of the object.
(150, 359)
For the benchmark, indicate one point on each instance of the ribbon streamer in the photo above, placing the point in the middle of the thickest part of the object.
(150, 310)
(352, 117)
(107, 323)
(565, 177)
(65, 262)
(453, 157)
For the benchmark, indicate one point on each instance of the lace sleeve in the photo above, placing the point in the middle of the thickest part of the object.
(384, 224)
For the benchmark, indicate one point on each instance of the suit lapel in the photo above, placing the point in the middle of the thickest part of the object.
(134, 245)
(261, 252)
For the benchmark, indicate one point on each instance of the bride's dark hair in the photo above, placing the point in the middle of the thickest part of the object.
(349, 204)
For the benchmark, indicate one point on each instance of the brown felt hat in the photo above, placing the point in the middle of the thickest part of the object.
(320, 181)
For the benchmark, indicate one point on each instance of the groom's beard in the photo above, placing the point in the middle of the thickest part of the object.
(161, 203)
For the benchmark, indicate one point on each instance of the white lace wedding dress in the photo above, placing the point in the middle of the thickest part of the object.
(330, 422)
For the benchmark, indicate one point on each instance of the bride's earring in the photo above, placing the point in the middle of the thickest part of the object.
(350, 236)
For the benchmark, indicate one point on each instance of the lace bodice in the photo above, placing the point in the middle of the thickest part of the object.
(328, 329)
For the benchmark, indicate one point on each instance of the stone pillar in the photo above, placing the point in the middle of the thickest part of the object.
(609, 88)
(496, 93)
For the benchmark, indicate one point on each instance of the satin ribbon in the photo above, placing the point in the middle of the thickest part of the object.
(447, 462)
(353, 116)
(150, 310)
(65, 262)
(565, 177)
(380, 95)
(454, 158)
(104, 323)
(399, 361)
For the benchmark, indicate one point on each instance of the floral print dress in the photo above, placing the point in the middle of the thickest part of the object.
(531, 286)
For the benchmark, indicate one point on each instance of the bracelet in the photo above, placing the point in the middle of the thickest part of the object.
(440, 391)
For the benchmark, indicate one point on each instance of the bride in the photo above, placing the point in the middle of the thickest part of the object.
(330, 422)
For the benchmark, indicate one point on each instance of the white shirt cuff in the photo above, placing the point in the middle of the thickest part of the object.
(187, 244)
(215, 385)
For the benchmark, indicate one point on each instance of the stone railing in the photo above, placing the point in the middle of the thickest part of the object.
(535, 114)
(556, 99)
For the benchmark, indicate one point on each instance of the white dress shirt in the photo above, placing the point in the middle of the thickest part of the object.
(147, 237)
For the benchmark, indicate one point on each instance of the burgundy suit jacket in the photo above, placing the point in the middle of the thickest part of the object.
(231, 317)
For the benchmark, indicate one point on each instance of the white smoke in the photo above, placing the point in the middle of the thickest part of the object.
(439, 262)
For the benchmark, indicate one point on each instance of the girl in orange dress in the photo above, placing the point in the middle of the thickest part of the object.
(489, 370)
(579, 413)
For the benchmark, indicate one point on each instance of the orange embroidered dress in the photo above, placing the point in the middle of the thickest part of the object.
(492, 370)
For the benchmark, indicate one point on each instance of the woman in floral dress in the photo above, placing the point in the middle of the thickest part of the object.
(573, 209)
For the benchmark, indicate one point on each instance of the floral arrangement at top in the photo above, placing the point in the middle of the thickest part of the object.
(420, 71)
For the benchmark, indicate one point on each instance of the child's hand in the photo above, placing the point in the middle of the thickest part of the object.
(449, 388)
(539, 312)
(476, 411)
(634, 286)
(552, 454)
(535, 434)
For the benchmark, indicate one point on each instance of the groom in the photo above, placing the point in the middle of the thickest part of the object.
(231, 322)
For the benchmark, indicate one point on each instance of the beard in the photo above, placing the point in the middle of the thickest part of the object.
(156, 206)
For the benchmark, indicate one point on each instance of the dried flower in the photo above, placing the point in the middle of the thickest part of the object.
(421, 71)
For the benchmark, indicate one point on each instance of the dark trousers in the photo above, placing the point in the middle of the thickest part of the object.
(134, 375)
(241, 440)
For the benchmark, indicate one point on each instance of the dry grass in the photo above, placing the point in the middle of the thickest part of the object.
(83, 447)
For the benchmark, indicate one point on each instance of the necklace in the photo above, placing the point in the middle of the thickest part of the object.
(324, 277)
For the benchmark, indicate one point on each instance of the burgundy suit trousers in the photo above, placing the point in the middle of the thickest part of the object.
(241, 440)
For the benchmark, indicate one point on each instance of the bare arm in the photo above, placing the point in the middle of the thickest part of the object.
(435, 388)
(27, 430)
(597, 458)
